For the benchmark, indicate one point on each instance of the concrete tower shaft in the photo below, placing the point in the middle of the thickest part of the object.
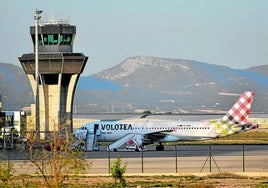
(59, 71)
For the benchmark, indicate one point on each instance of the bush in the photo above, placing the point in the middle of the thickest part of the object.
(118, 172)
(6, 171)
(55, 161)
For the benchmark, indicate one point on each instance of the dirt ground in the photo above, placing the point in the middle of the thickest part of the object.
(190, 181)
(210, 181)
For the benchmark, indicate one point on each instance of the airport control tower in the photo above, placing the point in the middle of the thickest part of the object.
(59, 71)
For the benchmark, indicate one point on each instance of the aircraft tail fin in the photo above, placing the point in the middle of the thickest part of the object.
(235, 120)
(240, 111)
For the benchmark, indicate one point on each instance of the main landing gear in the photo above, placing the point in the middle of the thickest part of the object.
(160, 147)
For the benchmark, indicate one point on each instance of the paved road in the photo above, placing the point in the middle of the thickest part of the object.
(186, 159)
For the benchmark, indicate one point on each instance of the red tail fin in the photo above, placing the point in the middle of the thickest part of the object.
(239, 112)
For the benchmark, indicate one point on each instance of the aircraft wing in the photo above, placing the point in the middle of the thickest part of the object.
(158, 135)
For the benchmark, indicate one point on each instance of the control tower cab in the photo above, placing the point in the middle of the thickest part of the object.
(59, 71)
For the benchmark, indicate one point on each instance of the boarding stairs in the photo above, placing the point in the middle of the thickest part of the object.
(92, 141)
(124, 140)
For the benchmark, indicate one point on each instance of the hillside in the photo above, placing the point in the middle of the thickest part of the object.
(15, 88)
(176, 85)
(263, 70)
(150, 83)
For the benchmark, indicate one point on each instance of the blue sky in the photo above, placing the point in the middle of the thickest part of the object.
(233, 33)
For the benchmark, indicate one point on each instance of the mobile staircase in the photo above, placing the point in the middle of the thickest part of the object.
(129, 142)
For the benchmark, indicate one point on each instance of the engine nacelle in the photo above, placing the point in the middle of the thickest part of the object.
(169, 138)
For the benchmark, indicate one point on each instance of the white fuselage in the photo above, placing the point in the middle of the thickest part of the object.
(174, 130)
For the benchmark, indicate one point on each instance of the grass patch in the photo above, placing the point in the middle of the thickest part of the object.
(224, 175)
(212, 180)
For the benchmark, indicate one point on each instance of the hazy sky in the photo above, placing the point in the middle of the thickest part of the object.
(225, 32)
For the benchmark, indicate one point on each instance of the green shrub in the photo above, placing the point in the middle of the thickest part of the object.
(118, 172)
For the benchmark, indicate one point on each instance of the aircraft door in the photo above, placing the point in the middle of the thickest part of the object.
(97, 131)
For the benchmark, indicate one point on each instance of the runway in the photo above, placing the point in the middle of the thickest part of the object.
(175, 159)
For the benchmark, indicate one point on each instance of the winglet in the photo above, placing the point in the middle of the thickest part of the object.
(240, 111)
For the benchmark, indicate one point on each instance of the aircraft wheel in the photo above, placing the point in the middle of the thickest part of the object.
(160, 147)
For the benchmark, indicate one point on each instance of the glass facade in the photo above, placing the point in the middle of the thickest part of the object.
(54, 39)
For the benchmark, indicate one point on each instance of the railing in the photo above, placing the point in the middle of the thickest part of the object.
(187, 159)
(175, 159)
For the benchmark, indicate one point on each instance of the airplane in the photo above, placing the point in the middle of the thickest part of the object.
(136, 133)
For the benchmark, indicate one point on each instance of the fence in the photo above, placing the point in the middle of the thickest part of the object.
(190, 158)
(175, 159)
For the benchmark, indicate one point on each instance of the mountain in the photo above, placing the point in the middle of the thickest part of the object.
(150, 83)
(263, 69)
(15, 88)
(176, 85)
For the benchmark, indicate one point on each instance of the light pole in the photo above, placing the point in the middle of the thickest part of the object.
(0, 103)
(37, 118)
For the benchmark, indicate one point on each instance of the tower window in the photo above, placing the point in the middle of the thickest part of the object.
(50, 39)
(66, 39)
